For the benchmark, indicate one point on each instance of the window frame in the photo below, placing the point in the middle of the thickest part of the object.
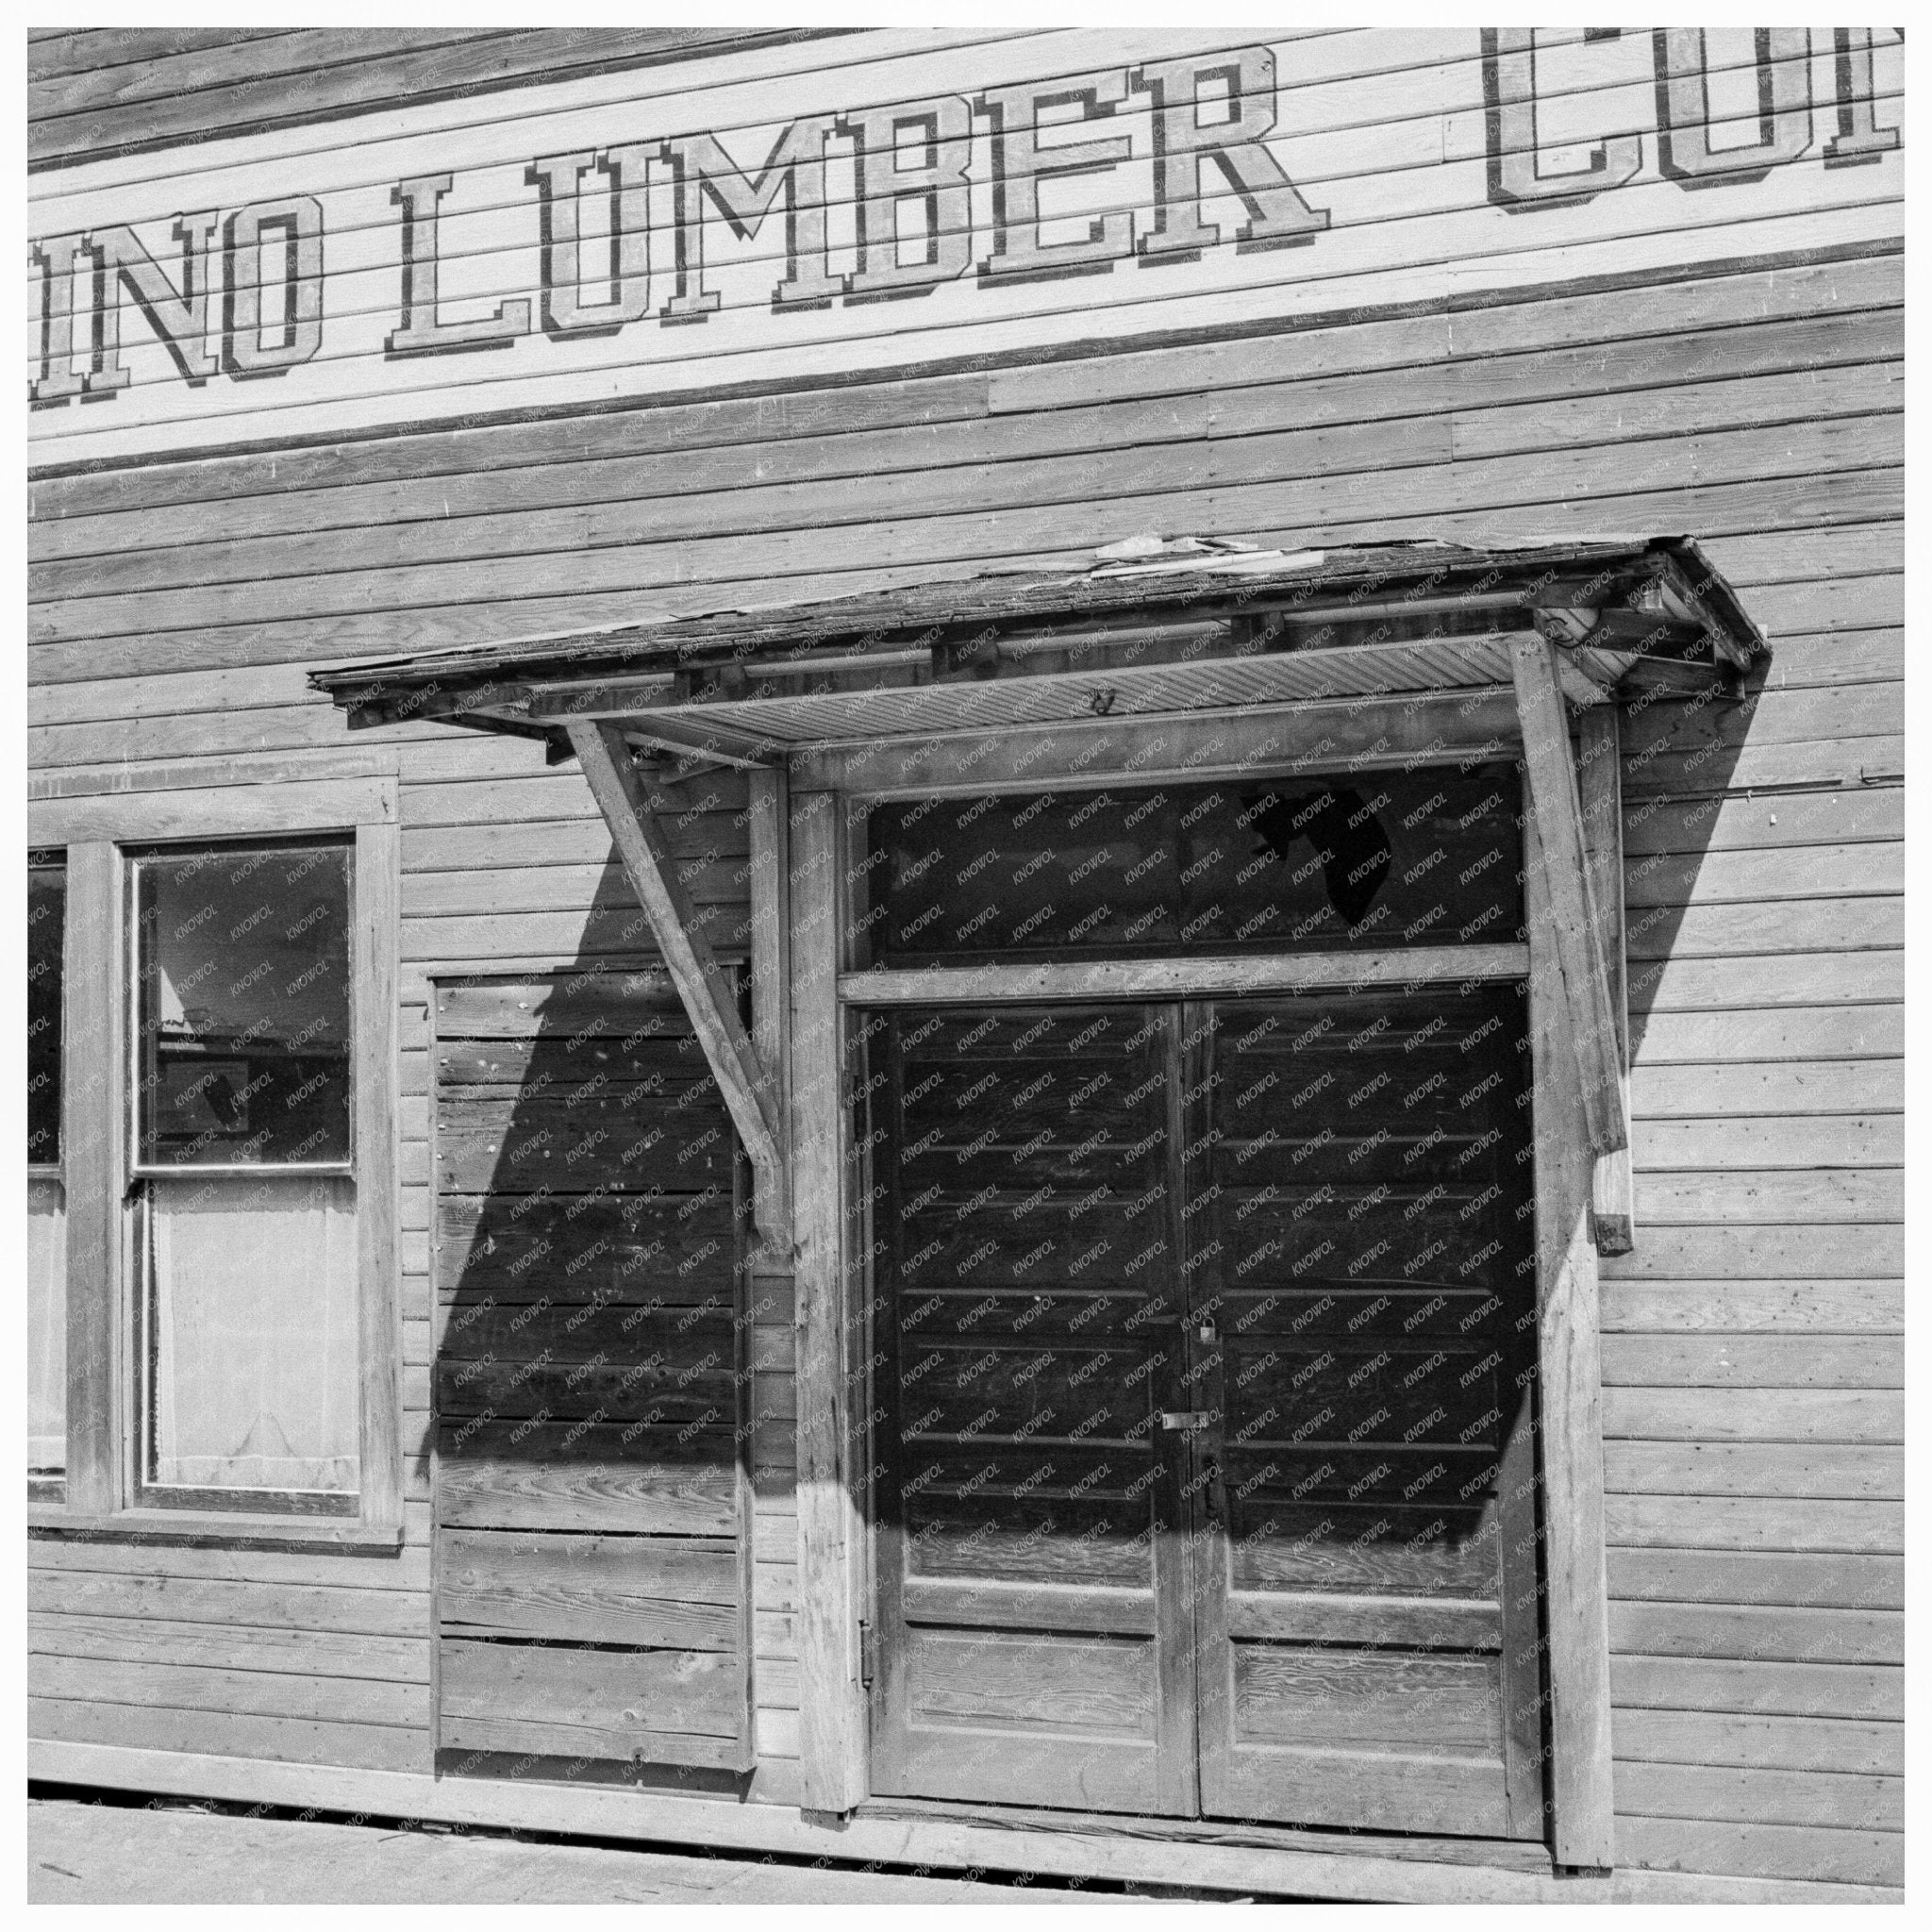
(49, 1488)
(102, 833)
(142, 1174)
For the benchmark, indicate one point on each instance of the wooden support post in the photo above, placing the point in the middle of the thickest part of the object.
(1600, 787)
(1569, 1398)
(770, 996)
(1573, 928)
(748, 1090)
(94, 1159)
(833, 1731)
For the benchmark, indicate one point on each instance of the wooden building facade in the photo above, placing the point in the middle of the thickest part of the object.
(977, 948)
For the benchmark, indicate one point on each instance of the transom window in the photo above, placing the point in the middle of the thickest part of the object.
(1383, 858)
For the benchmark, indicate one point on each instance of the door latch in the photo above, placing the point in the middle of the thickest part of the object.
(1184, 1418)
(867, 1655)
(1217, 1491)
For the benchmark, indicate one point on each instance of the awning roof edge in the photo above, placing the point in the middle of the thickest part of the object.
(1607, 596)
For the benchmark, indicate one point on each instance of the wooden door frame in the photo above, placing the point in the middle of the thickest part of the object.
(1558, 962)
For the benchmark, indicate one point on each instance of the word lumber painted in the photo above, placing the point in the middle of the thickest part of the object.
(975, 205)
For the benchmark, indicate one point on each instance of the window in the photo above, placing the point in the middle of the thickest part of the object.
(1386, 859)
(244, 1122)
(214, 1212)
(46, 1205)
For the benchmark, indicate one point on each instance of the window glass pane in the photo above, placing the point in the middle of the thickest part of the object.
(252, 1350)
(1377, 860)
(46, 1327)
(244, 1007)
(46, 929)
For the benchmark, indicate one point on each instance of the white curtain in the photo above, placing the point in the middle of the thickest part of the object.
(254, 1310)
(47, 1326)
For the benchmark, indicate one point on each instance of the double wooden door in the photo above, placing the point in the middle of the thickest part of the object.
(1203, 1382)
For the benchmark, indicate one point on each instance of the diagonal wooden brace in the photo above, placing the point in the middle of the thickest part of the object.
(709, 1000)
(1572, 906)
(1613, 1213)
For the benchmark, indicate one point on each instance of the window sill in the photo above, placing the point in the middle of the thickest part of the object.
(213, 1527)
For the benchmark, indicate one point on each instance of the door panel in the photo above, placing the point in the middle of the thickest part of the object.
(1368, 1616)
(1027, 1496)
(1205, 1484)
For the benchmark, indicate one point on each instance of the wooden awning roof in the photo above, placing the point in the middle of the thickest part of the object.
(1154, 627)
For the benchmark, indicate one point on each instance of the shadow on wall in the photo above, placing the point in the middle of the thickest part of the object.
(592, 1468)
(1684, 925)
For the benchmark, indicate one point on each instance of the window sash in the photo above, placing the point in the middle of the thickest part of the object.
(144, 970)
(152, 1345)
(101, 834)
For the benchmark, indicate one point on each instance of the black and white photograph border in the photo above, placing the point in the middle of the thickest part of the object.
(1038, 891)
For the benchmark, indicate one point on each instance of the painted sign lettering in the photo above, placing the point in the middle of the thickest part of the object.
(601, 252)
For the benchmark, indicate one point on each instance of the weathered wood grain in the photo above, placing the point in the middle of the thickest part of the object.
(1792, 1743)
(1752, 1361)
(642, 1591)
(609, 1695)
(93, 1141)
(1794, 926)
(1567, 992)
(947, 521)
(577, 497)
(832, 1729)
(1864, 1857)
(1797, 1307)
(1754, 1522)
(511, 1476)
(389, 65)
(1748, 1580)
(1821, 1031)
(301, 1693)
(1786, 1689)
(406, 1570)
(1781, 1090)
(1764, 872)
(1812, 1197)
(209, 1645)
(1755, 1469)
(1756, 1410)
(1753, 1632)
(109, 1597)
(1847, 1800)
(232, 1734)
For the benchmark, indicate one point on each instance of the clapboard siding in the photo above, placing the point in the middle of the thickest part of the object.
(230, 1734)
(122, 91)
(1748, 1471)
(672, 540)
(1538, 401)
(1752, 1405)
(59, 651)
